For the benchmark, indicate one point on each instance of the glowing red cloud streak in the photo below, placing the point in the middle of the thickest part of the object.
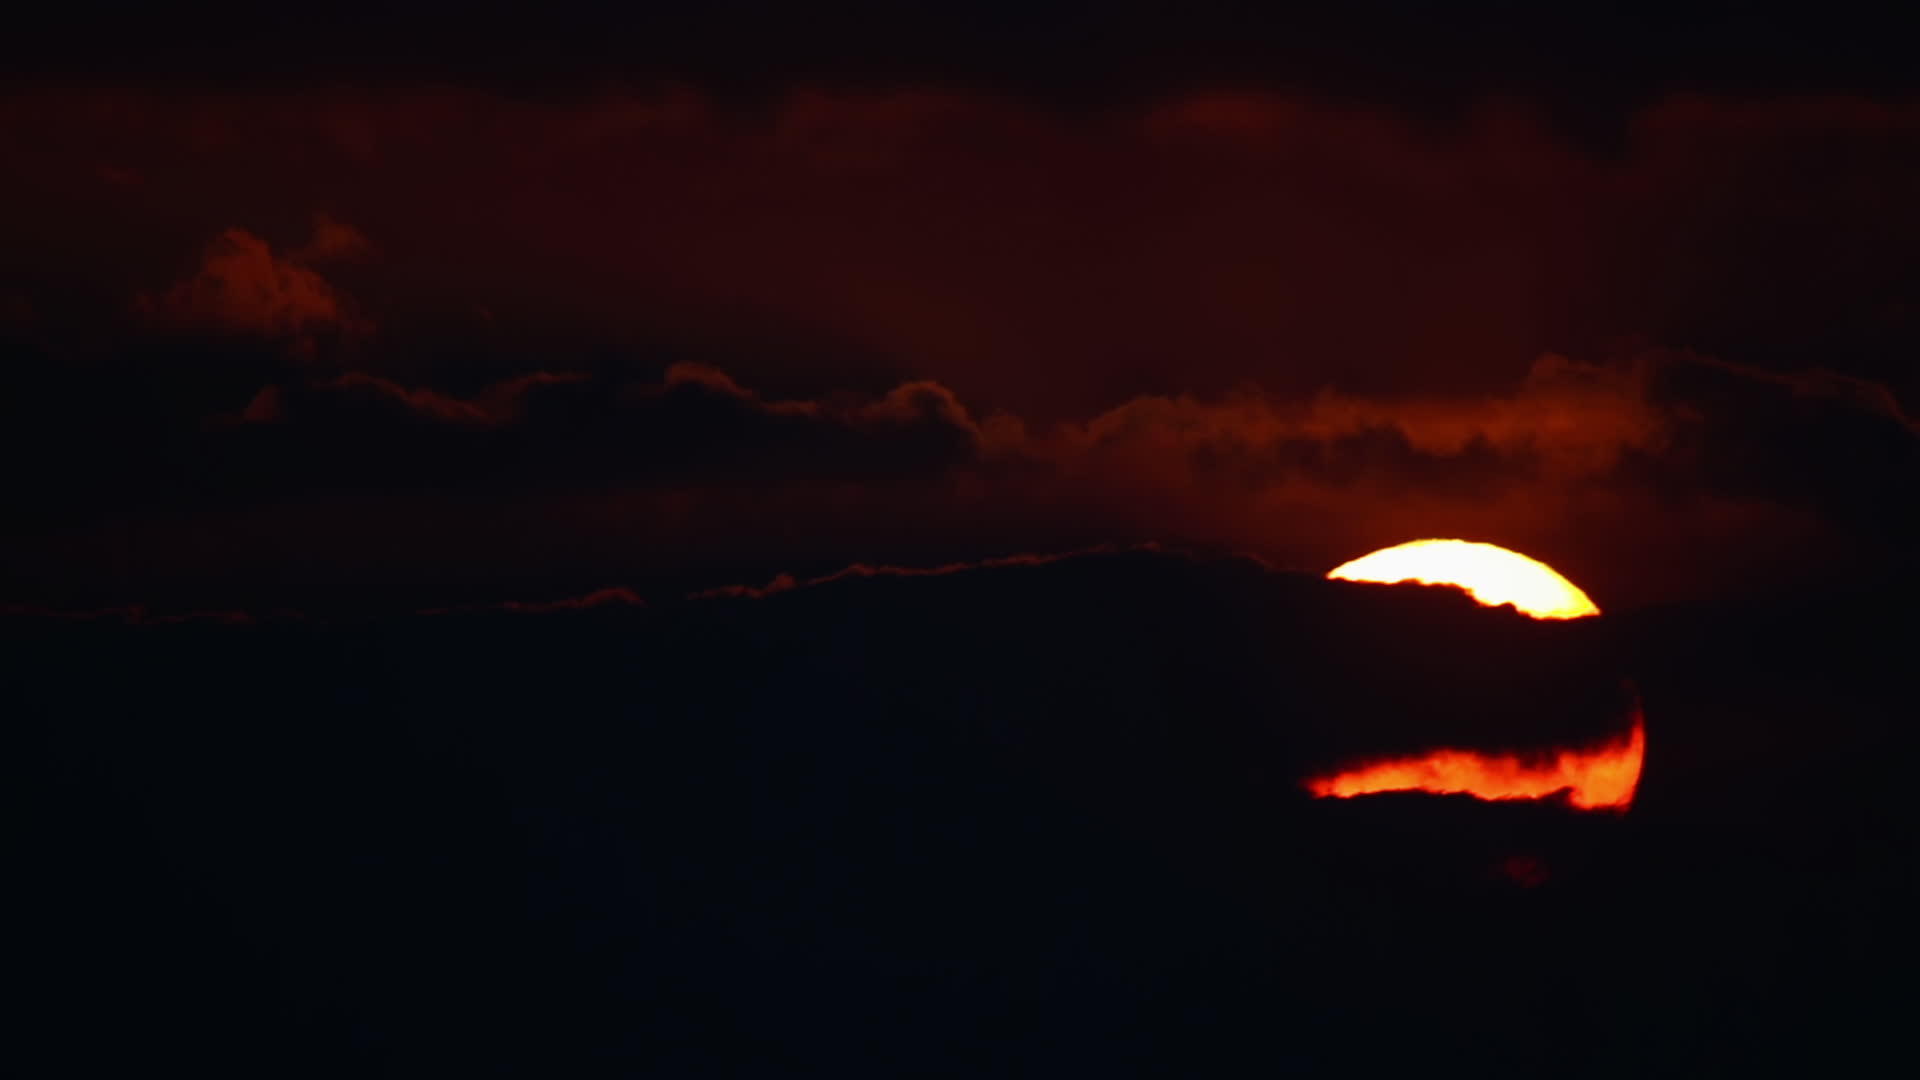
(1601, 778)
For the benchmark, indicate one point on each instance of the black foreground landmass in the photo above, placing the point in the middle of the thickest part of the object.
(1028, 820)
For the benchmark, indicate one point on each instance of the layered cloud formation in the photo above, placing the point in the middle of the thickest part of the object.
(410, 333)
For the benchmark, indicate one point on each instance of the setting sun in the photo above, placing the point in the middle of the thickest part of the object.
(1598, 777)
(1489, 573)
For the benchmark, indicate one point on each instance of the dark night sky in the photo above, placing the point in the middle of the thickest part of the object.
(1068, 49)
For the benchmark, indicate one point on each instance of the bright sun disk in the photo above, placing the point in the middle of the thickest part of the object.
(1490, 573)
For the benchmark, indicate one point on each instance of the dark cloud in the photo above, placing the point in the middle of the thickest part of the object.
(1567, 421)
(134, 615)
(1085, 771)
(611, 598)
(787, 582)
(569, 431)
(1660, 476)
(356, 400)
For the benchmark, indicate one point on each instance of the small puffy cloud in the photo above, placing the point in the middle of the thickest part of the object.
(242, 287)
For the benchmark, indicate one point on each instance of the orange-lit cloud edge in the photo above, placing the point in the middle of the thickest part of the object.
(1600, 777)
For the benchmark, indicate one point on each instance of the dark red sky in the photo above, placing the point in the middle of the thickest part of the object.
(464, 316)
